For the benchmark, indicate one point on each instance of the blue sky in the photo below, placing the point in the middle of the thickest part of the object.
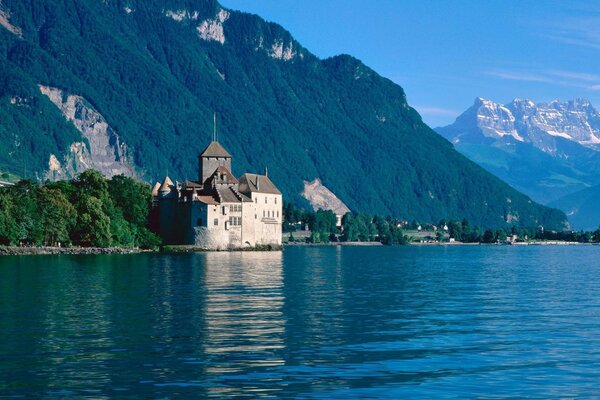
(446, 53)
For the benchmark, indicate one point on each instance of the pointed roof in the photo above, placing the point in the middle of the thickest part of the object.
(155, 189)
(214, 149)
(166, 185)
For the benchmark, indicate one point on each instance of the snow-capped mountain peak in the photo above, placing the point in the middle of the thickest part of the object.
(523, 120)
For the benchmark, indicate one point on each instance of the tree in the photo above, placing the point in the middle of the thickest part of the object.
(488, 237)
(92, 183)
(8, 227)
(596, 236)
(57, 215)
(500, 235)
(132, 197)
(93, 225)
(455, 230)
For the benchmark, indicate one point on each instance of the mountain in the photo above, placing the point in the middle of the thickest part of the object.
(131, 86)
(581, 208)
(545, 150)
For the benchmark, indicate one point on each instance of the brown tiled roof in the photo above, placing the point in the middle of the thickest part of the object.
(207, 200)
(214, 149)
(228, 196)
(257, 183)
(191, 185)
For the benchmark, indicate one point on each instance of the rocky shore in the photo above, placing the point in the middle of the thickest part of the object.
(22, 251)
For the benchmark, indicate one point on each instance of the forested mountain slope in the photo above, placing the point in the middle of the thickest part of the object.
(151, 73)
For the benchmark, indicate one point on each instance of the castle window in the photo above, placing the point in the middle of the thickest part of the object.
(227, 225)
(255, 216)
(265, 199)
(256, 200)
(216, 221)
(277, 214)
(275, 200)
(224, 210)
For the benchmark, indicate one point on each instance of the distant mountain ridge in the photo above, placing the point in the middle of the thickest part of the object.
(546, 150)
(140, 80)
(582, 208)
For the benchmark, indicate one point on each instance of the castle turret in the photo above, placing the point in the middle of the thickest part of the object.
(166, 188)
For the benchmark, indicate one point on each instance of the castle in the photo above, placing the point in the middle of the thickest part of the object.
(219, 211)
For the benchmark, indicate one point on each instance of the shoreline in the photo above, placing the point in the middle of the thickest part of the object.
(48, 251)
(334, 244)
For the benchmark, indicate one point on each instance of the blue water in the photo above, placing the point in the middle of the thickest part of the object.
(310, 322)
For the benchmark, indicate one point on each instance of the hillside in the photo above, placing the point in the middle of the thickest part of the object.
(581, 208)
(143, 77)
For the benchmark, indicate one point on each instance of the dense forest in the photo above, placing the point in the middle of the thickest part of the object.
(89, 211)
(146, 68)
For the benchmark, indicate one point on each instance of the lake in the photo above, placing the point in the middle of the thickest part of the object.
(309, 322)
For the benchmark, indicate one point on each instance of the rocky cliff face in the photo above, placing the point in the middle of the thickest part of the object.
(320, 197)
(104, 150)
(6, 23)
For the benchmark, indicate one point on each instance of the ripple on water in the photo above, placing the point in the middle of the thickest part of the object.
(307, 323)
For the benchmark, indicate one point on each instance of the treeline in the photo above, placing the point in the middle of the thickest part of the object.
(358, 227)
(462, 231)
(355, 227)
(89, 211)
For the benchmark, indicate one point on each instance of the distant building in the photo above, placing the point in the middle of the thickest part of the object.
(219, 211)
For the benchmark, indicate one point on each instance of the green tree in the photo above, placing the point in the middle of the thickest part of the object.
(596, 236)
(93, 225)
(57, 215)
(133, 198)
(455, 230)
(9, 234)
(488, 237)
(500, 235)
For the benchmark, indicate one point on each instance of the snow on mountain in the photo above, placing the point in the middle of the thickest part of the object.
(546, 150)
(523, 120)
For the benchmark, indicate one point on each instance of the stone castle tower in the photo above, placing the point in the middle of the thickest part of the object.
(220, 211)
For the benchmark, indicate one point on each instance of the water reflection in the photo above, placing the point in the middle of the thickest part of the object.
(308, 322)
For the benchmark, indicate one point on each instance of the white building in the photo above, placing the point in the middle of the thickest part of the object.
(219, 211)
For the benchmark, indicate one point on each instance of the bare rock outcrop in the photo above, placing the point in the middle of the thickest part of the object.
(5, 21)
(321, 197)
(104, 150)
